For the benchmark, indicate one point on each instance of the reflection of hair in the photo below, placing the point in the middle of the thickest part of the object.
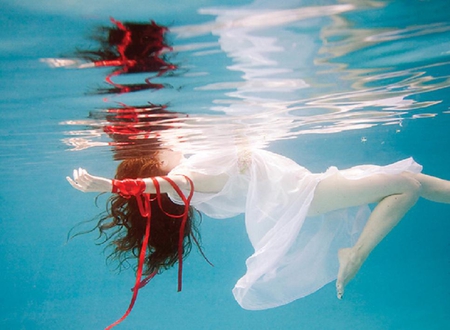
(131, 48)
(127, 224)
(134, 129)
(137, 45)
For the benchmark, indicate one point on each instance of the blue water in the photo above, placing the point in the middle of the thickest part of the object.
(322, 82)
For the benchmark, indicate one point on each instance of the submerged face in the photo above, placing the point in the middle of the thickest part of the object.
(169, 159)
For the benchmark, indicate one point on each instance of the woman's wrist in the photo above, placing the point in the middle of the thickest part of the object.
(128, 187)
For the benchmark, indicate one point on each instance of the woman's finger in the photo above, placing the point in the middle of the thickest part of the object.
(86, 182)
(74, 184)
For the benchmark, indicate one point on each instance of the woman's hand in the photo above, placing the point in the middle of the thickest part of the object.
(85, 182)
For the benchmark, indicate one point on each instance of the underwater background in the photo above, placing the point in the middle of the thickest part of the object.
(326, 83)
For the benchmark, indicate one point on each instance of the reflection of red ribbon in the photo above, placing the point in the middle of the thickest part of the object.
(115, 63)
(129, 187)
(127, 129)
(130, 60)
(133, 121)
(125, 41)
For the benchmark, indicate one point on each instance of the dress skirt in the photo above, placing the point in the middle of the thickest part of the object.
(294, 255)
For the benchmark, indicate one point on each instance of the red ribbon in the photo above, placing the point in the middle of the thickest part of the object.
(142, 253)
(184, 217)
(127, 188)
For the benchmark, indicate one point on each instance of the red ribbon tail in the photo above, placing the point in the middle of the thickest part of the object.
(142, 254)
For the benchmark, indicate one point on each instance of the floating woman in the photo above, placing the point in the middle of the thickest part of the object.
(307, 229)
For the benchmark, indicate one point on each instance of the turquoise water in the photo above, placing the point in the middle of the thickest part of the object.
(322, 82)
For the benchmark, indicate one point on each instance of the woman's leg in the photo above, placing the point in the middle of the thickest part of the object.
(385, 216)
(395, 195)
(433, 189)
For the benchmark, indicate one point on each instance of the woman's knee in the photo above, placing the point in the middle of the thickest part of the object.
(410, 185)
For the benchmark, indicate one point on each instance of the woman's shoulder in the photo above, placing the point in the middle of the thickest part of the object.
(208, 162)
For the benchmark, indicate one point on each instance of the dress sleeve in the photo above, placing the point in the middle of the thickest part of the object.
(225, 202)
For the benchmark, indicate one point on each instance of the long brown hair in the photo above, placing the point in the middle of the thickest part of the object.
(124, 226)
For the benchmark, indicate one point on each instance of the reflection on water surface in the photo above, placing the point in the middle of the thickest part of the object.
(285, 73)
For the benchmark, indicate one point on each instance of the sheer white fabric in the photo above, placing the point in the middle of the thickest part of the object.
(295, 255)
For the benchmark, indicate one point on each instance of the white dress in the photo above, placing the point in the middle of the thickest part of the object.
(295, 255)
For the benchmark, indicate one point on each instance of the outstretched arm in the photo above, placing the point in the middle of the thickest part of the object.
(86, 182)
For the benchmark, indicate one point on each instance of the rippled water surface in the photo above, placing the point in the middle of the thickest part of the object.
(322, 82)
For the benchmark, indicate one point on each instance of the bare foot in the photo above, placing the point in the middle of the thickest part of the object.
(349, 264)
